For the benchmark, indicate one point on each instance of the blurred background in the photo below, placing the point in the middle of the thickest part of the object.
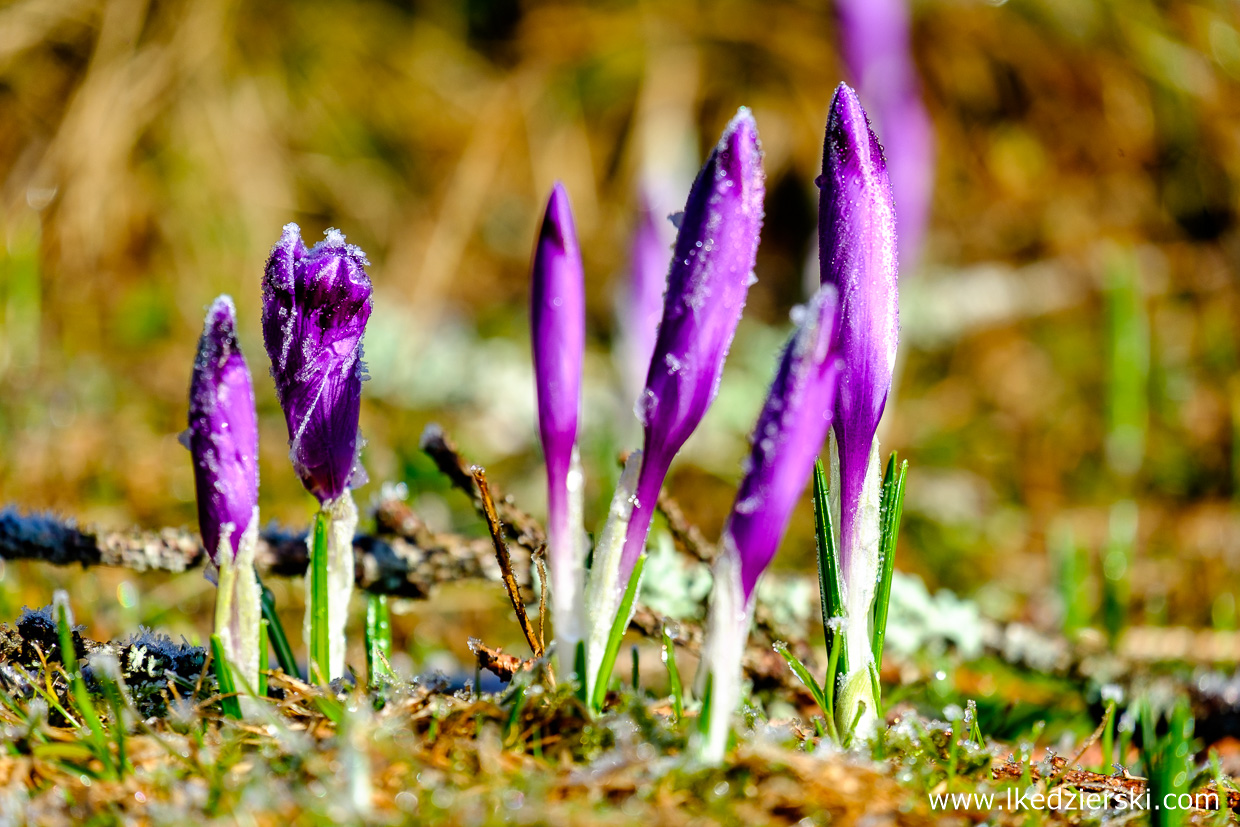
(1067, 398)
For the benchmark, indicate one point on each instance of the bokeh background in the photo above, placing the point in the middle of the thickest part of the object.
(1067, 399)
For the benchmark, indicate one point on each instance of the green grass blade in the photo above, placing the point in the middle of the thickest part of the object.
(673, 676)
(279, 640)
(891, 510)
(803, 674)
(224, 676)
(81, 697)
(618, 628)
(264, 662)
(320, 642)
(579, 665)
(378, 638)
(829, 583)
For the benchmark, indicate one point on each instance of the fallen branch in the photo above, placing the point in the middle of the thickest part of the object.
(505, 561)
(406, 561)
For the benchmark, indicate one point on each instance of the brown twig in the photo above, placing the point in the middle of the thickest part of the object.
(497, 661)
(404, 560)
(505, 562)
(521, 528)
(540, 560)
(688, 536)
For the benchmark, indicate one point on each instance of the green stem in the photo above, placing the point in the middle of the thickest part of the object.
(320, 631)
(263, 656)
(618, 628)
(224, 677)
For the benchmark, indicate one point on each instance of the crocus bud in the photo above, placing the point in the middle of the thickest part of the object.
(315, 306)
(712, 268)
(857, 246)
(223, 434)
(874, 41)
(640, 304)
(558, 327)
(223, 441)
(787, 437)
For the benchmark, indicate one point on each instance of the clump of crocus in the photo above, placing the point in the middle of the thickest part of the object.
(223, 441)
(557, 322)
(787, 437)
(712, 268)
(874, 41)
(857, 245)
(315, 306)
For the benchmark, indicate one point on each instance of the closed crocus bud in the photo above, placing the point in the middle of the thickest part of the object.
(557, 325)
(712, 268)
(640, 305)
(223, 434)
(223, 441)
(857, 245)
(787, 437)
(874, 40)
(315, 306)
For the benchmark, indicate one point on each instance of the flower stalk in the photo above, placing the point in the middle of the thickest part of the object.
(557, 325)
(712, 269)
(316, 303)
(858, 250)
(788, 434)
(223, 443)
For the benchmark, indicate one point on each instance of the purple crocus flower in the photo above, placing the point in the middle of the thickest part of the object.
(712, 268)
(857, 249)
(641, 304)
(874, 39)
(315, 306)
(788, 435)
(223, 433)
(558, 326)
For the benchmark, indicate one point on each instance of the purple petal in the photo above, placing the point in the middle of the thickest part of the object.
(787, 437)
(641, 305)
(223, 431)
(315, 306)
(711, 271)
(558, 326)
(875, 44)
(857, 249)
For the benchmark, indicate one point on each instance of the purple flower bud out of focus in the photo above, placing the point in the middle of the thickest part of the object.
(223, 432)
(641, 305)
(712, 268)
(315, 306)
(857, 249)
(788, 436)
(875, 38)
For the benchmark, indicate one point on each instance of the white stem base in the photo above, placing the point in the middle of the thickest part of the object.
(341, 526)
(238, 604)
(568, 565)
(603, 591)
(727, 632)
(860, 582)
